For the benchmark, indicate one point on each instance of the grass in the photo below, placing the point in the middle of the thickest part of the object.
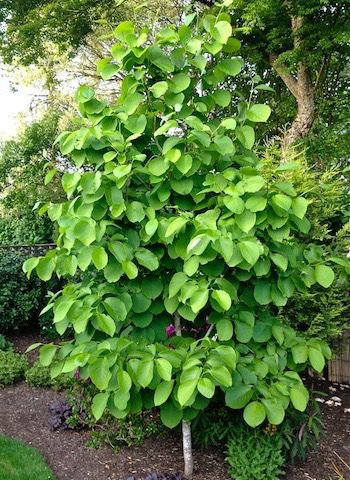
(18, 461)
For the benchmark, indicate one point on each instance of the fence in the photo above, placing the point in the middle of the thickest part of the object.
(339, 368)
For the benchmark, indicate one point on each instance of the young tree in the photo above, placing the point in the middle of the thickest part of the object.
(184, 244)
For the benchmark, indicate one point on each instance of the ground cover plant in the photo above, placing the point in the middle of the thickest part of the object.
(186, 247)
(12, 367)
(18, 461)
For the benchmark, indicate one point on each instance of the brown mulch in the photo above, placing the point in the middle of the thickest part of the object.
(24, 414)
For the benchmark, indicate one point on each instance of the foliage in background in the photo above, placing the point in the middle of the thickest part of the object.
(39, 376)
(22, 174)
(4, 343)
(21, 462)
(12, 367)
(20, 300)
(316, 311)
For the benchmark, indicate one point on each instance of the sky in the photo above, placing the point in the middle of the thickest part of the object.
(12, 104)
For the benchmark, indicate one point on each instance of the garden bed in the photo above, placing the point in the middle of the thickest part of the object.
(24, 414)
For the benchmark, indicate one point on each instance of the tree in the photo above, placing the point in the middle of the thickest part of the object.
(303, 43)
(175, 227)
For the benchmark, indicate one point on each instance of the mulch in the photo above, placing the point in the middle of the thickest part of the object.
(24, 414)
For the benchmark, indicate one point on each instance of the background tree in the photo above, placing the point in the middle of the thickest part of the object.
(177, 228)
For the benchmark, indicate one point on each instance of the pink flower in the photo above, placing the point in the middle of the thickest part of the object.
(170, 330)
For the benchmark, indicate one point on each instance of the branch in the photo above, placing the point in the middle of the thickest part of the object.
(287, 78)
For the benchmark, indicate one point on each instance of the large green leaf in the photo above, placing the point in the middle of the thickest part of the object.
(238, 396)
(100, 374)
(163, 392)
(170, 415)
(324, 275)
(254, 414)
(258, 113)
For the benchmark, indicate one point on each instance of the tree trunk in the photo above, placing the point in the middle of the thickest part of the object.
(305, 116)
(300, 87)
(186, 426)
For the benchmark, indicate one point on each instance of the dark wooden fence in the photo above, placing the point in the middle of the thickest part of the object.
(339, 368)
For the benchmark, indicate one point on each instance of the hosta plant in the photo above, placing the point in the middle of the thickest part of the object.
(184, 249)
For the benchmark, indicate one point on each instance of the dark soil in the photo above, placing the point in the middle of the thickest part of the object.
(24, 414)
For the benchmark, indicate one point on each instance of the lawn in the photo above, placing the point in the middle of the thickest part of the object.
(18, 461)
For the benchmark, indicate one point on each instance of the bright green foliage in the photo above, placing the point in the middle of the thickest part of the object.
(172, 217)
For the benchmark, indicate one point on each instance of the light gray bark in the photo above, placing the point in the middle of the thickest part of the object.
(186, 426)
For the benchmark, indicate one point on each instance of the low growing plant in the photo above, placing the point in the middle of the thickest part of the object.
(12, 367)
(39, 376)
(4, 343)
(254, 455)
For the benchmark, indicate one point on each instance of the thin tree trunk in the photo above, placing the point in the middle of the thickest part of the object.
(186, 426)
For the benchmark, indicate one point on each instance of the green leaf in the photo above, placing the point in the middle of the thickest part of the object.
(274, 410)
(47, 353)
(229, 124)
(163, 392)
(224, 145)
(164, 369)
(299, 397)
(224, 329)
(176, 283)
(135, 212)
(158, 89)
(231, 66)
(158, 166)
(262, 293)
(246, 221)
(175, 226)
(299, 207)
(222, 376)
(151, 227)
(185, 391)
(100, 374)
(222, 31)
(246, 136)
(99, 257)
(238, 396)
(279, 260)
(147, 259)
(130, 269)
(105, 324)
(199, 299)
(115, 308)
(316, 359)
(206, 387)
(223, 299)
(324, 275)
(179, 82)
(84, 94)
(256, 204)
(300, 353)
(258, 113)
(45, 268)
(234, 204)
(281, 201)
(124, 381)
(222, 98)
(144, 373)
(99, 404)
(170, 415)
(250, 251)
(254, 414)
(85, 231)
(29, 265)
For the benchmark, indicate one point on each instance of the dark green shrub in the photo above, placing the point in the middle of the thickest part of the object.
(20, 299)
(4, 343)
(12, 367)
(39, 376)
(254, 455)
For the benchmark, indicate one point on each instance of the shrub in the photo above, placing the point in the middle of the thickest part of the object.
(5, 344)
(20, 300)
(12, 367)
(39, 376)
(254, 455)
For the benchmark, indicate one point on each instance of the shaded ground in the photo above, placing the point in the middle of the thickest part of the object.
(24, 414)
